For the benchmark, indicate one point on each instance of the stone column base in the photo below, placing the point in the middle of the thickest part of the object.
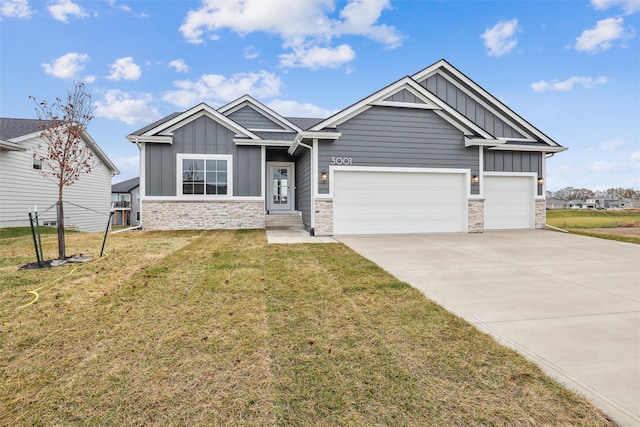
(324, 217)
(475, 216)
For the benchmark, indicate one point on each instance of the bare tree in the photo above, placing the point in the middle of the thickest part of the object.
(62, 126)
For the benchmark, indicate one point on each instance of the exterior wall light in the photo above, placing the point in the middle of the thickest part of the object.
(540, 180)
(475, 179)
(323, 176)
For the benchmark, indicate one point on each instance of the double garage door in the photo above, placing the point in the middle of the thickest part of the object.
(381, 202)
(375, 202)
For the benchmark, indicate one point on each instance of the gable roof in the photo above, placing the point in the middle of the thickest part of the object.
(484, 98)
(126, 186)
(265, 111)
(409, 92)
(14, 130)
(162, 130)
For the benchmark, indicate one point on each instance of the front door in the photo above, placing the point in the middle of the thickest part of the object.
(280, 187)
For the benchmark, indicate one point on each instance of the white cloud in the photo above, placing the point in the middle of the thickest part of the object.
(635, 156)
(612, 144)
(567, 85)
(317, 57)
(250, 52)
(604, 167)
(125, 69)
(15, 8)
(214, 88)
(297, 109)
(179, 65)
(129, 167)
(500, 39)
(67, 66)
(62, 9)
(302, 25)
(629, 6)
(602, 36)
(118, 105)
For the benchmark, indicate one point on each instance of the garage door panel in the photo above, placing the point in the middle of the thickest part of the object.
(509, 202)
(398, 202)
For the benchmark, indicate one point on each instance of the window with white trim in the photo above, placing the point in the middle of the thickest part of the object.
(204, 175)
(37, 163)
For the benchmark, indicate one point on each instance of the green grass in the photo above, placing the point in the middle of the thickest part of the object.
(8, 233)
(219, 328)
(588, 218)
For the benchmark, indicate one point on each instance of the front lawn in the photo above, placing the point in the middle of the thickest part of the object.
(219, 328)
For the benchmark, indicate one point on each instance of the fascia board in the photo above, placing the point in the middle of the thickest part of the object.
(515, 147)
(503, 109)
(11, 146)
(265, 142)
(153, 139)
(247, 100)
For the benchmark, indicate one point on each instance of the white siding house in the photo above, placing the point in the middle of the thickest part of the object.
(22, 184)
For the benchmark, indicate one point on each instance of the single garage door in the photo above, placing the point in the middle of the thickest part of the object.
(374, 202)
(509, 202)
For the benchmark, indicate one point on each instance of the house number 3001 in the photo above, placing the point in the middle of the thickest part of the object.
(346, 161)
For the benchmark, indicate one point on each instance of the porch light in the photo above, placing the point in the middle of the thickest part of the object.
(323, 176)
(540, 180)
(475, 179)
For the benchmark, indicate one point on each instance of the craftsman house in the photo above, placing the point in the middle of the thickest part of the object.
(431, 152)
(23, 186)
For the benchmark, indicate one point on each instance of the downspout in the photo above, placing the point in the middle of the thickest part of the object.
(313, 188)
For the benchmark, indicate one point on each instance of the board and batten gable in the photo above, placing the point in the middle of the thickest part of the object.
(399, 137)
(88, 200)
(455, 97)
(201, 136)
(252, 119)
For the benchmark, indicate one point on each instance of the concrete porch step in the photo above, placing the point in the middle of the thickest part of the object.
(288, 221)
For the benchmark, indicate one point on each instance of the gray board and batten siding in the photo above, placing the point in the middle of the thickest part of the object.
(303, 185)
(252, 119)
(399, 137)
(202, 136)
(469, 107)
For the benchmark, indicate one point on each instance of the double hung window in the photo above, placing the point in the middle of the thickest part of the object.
(204, 175)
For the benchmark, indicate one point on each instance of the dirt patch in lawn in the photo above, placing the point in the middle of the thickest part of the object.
(618, 231)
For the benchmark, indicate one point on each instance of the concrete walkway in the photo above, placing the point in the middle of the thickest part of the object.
(569, 303)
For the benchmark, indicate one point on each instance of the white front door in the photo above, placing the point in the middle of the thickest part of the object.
(280, 191)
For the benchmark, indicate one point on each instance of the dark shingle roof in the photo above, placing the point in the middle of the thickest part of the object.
(304, 123)
(14, 128)
(125, 186)
(156, 123)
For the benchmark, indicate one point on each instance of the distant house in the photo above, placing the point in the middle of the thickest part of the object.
(431, 152)
(602, 203)
(125, 197)
(629, 203)
(577, 204)
(23, 186)
(553, 203)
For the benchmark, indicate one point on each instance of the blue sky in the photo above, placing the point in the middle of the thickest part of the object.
(571, 68)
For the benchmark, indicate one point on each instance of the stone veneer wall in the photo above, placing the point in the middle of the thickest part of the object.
(202, 215)
(475, 216)
(541, 213)
(324, 217)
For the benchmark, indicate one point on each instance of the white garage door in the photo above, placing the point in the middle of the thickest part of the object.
(509, 202)
(367, 202)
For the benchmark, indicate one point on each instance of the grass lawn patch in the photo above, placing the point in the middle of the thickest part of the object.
(219, 328)
(623, 225)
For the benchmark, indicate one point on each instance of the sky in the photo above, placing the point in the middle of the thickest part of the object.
(569, 67)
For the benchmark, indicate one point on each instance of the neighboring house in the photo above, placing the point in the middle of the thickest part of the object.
(601, 203)
(432, 152)
(626, 203)
(553, 203)
(125, 197)
(23, 186)
(577, 204)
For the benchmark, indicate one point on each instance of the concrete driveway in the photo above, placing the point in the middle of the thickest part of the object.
(569, 303)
